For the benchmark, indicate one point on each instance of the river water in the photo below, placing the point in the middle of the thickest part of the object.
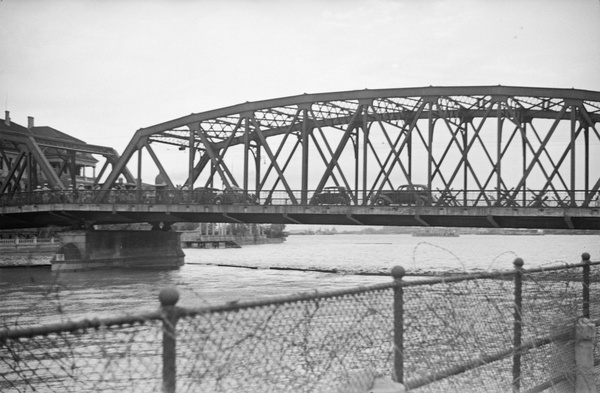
(37, 295)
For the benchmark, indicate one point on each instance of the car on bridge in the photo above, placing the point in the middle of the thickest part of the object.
(408, 194)
(335, 195)
(234, 195)
(204, 195)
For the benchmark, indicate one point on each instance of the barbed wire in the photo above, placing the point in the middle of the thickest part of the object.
(458, 335)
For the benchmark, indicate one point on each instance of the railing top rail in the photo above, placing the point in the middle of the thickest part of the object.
(374, 287)
(73, 326)
(561, 266)
(497, 274)
(305, 296)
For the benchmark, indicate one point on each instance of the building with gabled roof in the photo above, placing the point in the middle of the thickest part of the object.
(84, 162)
(32, 157)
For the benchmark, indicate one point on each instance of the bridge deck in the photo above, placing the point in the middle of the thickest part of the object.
(63, 214)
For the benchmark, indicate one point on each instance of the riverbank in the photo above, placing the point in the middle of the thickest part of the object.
(194, 240)
(30, 260)
(27, 252)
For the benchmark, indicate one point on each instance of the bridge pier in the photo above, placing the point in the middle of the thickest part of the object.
(90, 249)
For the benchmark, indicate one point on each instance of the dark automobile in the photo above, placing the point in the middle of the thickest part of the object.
(204, 195)
(408, 194)
(331, 196)
(233, 195)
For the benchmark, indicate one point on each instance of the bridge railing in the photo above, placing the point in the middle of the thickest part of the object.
(18, 241)
(440, 198)
(499, 331)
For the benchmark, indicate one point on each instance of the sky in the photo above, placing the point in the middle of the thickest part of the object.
(100, 70)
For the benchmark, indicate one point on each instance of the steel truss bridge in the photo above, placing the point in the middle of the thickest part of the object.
(489, 156)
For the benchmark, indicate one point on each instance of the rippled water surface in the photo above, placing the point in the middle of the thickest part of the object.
(33, 295)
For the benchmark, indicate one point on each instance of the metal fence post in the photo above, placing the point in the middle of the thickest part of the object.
(518, 324)
(586, 284)
(398, 272)
(168, 298)
(585, 333)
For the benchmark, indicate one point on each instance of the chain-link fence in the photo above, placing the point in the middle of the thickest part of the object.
(121, 354)
(493, 332)
(503, 332)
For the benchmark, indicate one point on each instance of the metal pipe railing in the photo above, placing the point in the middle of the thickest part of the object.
(460, 198)
(517, 324)
(169, 314)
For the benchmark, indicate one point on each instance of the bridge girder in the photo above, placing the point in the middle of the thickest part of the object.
(73, 214)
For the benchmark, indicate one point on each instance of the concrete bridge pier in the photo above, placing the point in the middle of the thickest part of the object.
(103, 249)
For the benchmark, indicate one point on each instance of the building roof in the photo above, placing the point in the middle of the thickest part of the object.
(46, 132)
(43, 131)
(12, 127)
(50, 132)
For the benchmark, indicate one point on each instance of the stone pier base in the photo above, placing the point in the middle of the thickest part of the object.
(89, 249)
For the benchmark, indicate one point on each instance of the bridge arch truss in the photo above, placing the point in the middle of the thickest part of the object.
(468, 145)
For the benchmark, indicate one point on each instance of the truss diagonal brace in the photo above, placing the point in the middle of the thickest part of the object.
(273, 160)
(342, 143)
(159, 165)
(217, 161)
(541, 148)
(15, 169)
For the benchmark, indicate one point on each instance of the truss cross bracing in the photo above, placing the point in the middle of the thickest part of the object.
(470, 146)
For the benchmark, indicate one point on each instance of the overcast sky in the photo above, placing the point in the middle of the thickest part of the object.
(99, 70)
